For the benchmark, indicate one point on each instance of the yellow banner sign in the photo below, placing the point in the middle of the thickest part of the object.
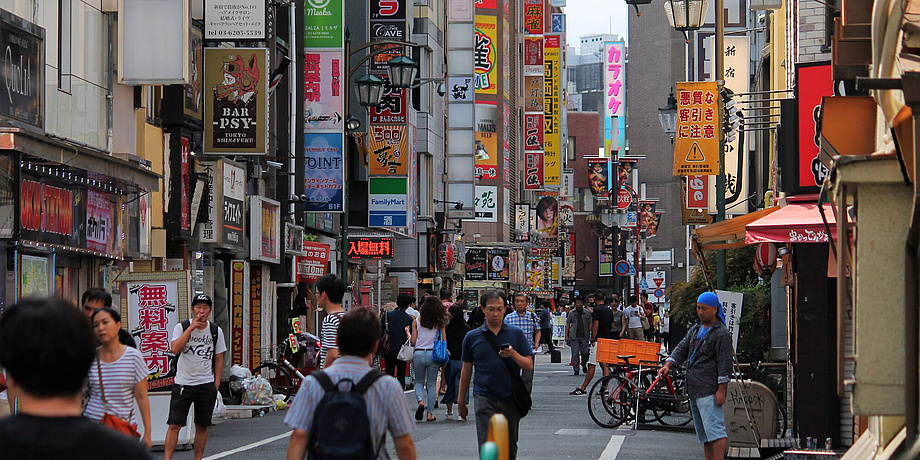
(696, 148)
(552, 108)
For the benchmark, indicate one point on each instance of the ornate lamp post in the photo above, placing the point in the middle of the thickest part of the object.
(686, 15)
(667, 115)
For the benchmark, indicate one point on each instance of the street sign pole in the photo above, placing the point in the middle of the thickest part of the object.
(720, 179)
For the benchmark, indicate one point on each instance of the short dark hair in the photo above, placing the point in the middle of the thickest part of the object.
(46, 346)
(521, 294)
(578, 297)
(111, 311)
(404, 300)
(492, 295)
(599, 295)
(644, 294)
(359, 331)
(456, 311)
(546, 303)
(445, 293)
(97, 293)
(633, 299)
(333, 286)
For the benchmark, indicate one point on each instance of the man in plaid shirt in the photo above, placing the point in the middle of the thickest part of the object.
(528, 322)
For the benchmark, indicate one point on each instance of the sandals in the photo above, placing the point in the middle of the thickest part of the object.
(577, 392)
(419, 413)
(433, 418)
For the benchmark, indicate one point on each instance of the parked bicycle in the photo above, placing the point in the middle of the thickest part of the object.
(284, 378)
(639, 394)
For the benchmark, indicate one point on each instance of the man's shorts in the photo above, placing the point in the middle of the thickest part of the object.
(708, 418)
(183, 396)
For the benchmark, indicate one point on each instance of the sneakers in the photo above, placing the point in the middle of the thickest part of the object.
(449, 416)
(578, 392)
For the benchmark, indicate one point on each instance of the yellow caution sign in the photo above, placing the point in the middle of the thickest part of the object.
(695, 155)
(696, 143)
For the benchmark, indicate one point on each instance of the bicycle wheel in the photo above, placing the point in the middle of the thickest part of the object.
(672, 409)
(639, 384)
(605, 403)
(278, 377)
(781, 427)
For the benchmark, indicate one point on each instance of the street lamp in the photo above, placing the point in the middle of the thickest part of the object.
(402, 71)
(636, 3)
(686, 15)
(369, 89)
(667, 115)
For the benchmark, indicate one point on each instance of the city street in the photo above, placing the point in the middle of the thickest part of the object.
(558, 427)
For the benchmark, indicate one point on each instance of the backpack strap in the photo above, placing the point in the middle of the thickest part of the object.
(367, 381)
(186, 324)
(324, 381)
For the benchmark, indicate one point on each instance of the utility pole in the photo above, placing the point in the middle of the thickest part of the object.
(719, 54)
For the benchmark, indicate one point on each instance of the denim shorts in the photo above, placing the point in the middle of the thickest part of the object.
(708, 418)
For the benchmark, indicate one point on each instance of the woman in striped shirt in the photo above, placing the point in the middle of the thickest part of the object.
(124, 375)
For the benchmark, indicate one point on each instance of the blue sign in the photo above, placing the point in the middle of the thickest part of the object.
(659, 293)
(388, 202)
(623, 268)
(324, 174)
(558, 24)
(643, 284)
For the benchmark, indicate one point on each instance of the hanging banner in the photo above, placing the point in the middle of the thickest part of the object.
(533, 132)
(533, 55)
(238, 270)
(533, 17)
(324, 175)
(487, 157)
(521, 219)
(236, 106)
(533, 170)
(699, 190)
(324, 24)
(476, 263)
(566, 214)
(265, 229)
(312, 265)
(552, 108)
(234, 185)
(547, 217)
(499, 269)
(323, 100)
(692, 216)
(485, 204)
(598, 176)
(388, 150)
(624, 170)
(696, 148)
(485, 55)
(646, 213)
(652, 228)
(256, 281)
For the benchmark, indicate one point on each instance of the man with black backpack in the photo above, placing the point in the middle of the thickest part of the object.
(345, 410)
(200, 345)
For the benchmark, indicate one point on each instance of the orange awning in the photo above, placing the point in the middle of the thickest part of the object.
(728, 234)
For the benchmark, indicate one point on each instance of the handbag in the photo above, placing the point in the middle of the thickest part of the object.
(406, 352)
(108, 419)
(439, 354)
(383, 347)
(519, 394)
(644, 320)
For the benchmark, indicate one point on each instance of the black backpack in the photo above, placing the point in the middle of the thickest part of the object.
(341, 428)
(174, 362)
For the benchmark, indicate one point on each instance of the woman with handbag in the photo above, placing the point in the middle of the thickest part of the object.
(427, 330)
(456, 330)
(117, 378)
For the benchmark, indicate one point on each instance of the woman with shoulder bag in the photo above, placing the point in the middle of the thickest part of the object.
(425, 331)
(456, 330)
(117, 378)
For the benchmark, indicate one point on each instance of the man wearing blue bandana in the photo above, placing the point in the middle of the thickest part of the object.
(707, 349)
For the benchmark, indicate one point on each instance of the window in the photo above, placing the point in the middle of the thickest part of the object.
(65, 44)
(571, 148)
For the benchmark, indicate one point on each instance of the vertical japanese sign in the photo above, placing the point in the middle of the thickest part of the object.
(557, 26)
(696, 149)
(522, 220)
(236, 105)
(698, 196)
(185, 200)
(100, 222)
(533, 170)
(533, 55)
(237, 305)
(388, 149)
(153, 306)
(486, 133)
(485, 54)
(323, 101)
(552, 109)
(234, 184)
(265, 229)
(812, 82)
(533, 132)
(392, 107)
(533, 17)
(323, 24)
(324, 176)
(485, 204)
(614, 97)
(737, 79)
(212, 173)
(255, 315)
(533, 92)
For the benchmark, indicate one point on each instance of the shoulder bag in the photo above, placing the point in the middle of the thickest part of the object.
(383, 348)
(108, 419)
(439, 353)
(644, 320)
(406, 351)
(519, 393)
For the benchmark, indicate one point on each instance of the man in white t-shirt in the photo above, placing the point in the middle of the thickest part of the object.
(634, 326)
(196, 379)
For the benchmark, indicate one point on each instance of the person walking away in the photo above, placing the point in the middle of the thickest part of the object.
(396, 322)
(456, 331)
(200, 345)
(330, 292)
(425, 331)
(578, 334)
(118, 376)
(546, 326)
(95, 298)
(49, 384)
(634, 324)
(666, 331)
(707, 349)
(319, 417)
(527, 322)
(649, 332)
(492, 391)
(657, 326)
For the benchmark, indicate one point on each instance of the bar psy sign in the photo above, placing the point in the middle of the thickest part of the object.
(236, 106)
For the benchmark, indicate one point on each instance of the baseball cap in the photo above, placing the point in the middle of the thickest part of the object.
(202, 298)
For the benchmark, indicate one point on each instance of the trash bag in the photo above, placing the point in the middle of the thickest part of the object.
(238, 385)
(240, 371)
(219, 409)
(258, 393)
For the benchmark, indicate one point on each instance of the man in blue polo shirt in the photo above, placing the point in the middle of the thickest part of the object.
(492, 385)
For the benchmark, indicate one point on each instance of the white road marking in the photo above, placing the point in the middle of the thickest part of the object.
(249, 446)
(613, 448)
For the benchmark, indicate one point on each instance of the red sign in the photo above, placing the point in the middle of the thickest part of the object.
(237, 301)
(312, 265)
(446, 256)
(371, 248)
(697, 192)
(392, 108)
(46, 208)
(255, 315)
(624, 199)
(533, 52)
(533, 131)
(533, 17)
(533, 170)
(812, 83)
